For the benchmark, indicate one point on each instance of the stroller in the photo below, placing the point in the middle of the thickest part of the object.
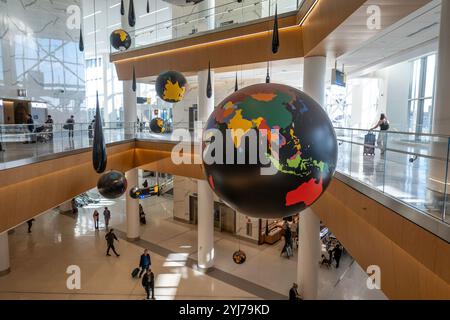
(43, 134)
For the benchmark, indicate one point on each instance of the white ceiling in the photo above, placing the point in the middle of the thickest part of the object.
(412, 36)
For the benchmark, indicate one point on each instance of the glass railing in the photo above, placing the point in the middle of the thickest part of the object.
(23, 141)
(208, 19)
(412, 168)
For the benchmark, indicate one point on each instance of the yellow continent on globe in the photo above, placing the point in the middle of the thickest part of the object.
(173, 91)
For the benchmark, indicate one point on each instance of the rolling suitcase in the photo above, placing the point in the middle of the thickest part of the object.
(135, 272)
(369, 144)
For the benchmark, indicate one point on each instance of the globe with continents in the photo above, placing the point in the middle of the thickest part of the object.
(295, 144)
(120, 40)
(171, 86)
(157, 125)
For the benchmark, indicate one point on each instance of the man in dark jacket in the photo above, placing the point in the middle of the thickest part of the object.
(148, 282)
(337, 253)
(30, 123)
(145, 262)
(293, 293)
(110, 237)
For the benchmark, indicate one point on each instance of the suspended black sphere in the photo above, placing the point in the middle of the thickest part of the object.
(239, 257)
(112, 184)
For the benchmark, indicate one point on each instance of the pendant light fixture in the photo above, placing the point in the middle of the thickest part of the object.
(275, 36)
(236, 87)
(268, 74)
(208, 84)
(131, 14)
(122, 8)
(81, 42)
(99, 157)
(134, 80)
(148, 6)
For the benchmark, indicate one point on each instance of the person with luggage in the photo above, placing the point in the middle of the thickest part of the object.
(107, 216)
(383, 124)
(148, 282)
(96, 217)
(145, 262)
(110, 237)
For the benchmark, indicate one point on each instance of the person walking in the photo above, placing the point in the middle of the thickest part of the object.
(49, 125)
(145, 262)
(142, 215)
(96, 217)
(383, 124)
(107, 216)
(148, 282)
(337, 253)
(70, 123)
(30, 126)
(110, 237)
(287, 240)
(30, 224)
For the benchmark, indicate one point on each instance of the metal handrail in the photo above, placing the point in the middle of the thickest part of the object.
(397, 151)
(398, 132)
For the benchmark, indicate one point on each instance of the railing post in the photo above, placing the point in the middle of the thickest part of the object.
(444, 212)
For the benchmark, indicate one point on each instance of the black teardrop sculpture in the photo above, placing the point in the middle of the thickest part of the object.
(131, 14)
(236, 88)
(275, 37)
(208, 84)
(148, 6)
(267, 75)
(134, 80)
(99, 158)
(81, 43)
(122, 8)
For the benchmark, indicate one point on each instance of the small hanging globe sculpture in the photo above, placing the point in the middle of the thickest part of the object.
(112, 184)
(239, 257)
(120, 40)
(283, 151)
(171, 86)
(157, 125)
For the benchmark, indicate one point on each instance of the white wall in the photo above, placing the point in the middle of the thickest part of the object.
(397, 94)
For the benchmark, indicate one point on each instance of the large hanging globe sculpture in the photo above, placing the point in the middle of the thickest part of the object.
(171, 86)
(120, 40)
(157, 125)
(112, 184)
(293, 157)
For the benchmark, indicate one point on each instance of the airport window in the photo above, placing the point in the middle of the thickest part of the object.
(1, 64)
(421, 97)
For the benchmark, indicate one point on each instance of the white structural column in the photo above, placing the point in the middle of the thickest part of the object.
(132, 207)
(441, 117)
(129, 96)
(309, 225)
(205, 194)
(4, 254)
